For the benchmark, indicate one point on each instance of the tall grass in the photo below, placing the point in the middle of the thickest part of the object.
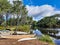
(46, 38)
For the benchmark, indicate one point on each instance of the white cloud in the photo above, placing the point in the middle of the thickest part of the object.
(39, 12)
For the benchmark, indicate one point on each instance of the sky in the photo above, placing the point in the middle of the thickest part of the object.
(39, 9)
(55, 3)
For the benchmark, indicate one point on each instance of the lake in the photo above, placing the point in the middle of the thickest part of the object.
(57, 41)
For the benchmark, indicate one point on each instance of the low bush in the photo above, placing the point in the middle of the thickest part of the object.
(24, 28)
(46, 38)
(2, 28)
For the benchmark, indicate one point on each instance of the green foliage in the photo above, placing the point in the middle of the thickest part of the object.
(20, 10)
(17, 9)
(4, 6)
(49, 22)
(1, 19)
(13, 21)
(34, 25)
(46, 38)
(29, 20)
(24, 28)
(1, 28)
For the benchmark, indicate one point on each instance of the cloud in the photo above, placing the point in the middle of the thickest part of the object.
(38, 12)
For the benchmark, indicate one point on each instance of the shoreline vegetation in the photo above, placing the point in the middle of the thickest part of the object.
(14, 17)
(29, 42)
(18, 37)
(47, 38)
(43, 39)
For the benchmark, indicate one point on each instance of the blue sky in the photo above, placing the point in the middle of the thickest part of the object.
(39, 9)
(54, 3)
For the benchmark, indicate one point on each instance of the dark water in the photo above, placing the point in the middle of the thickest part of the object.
(57, 41)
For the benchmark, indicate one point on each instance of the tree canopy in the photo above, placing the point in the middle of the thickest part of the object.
(49, 22)
(4, 6)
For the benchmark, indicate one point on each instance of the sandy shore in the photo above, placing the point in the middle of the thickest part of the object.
(13, 40)
(17, 36)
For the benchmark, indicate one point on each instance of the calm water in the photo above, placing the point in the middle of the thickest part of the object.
(57, 41)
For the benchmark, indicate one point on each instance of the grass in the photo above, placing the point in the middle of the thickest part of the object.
(46, 38)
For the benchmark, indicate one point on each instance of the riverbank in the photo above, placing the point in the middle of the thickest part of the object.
(15, 42)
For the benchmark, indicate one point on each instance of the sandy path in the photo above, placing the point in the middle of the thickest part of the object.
(15, 42)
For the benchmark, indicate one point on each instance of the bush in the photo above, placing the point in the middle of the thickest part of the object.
(24, 28)
(46, 38)
(2, 28)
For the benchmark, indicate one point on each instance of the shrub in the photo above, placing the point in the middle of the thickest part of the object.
(2, 28)
(46, 38)
(24, 28)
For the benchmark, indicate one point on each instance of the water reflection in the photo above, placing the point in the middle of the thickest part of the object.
(57, 31)
(58, 34)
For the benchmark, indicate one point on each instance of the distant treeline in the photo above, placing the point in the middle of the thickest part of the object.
(49, 22)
